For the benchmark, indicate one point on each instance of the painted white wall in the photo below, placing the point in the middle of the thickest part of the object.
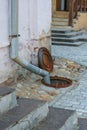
(40, 17)
(3, 23)
(44, 15)
(24, 20)
(34, 17)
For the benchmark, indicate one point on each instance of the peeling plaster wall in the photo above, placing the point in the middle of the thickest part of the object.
(34, 21)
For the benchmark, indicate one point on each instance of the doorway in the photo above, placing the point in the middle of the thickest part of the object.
(62, 5)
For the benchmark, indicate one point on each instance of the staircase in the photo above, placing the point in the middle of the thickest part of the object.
(68, 37)
(63, 34)
(59, 119)
(60, 19)
(20, 114)
(30, 114)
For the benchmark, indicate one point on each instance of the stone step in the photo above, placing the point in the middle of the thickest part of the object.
(62, 12)
(59, 26)
(70, 39)
(59, 119)
(7, 99)
(66, 29)
(60, 20)
(82, 124)
(25, 116)
(71, 35)
(60, 15)
(60, 23)
(56, 43)
(67, 34)
(83, 38)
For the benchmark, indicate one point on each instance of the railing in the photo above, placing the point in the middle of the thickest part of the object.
(76, 6)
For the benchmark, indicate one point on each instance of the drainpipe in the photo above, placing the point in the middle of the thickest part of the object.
(14, 45)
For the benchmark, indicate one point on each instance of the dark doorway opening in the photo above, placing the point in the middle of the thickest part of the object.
(62, 5)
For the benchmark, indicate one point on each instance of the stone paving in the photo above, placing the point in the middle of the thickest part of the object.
(74, 53)
(30, 86)
(75, 99)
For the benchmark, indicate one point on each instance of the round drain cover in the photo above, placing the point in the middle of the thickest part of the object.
(45, 60)
(58, 82)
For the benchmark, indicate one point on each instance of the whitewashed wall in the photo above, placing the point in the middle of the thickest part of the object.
(44, 16)
(3, 23)
(34, 17)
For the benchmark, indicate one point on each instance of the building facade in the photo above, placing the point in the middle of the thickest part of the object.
(34, 30)
(36, 18)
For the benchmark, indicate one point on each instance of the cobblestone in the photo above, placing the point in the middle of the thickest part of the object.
(75, 99)
(77, 54)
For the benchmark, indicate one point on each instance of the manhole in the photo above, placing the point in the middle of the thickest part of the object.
(58, 82)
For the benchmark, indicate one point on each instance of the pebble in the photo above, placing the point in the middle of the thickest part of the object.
(45, 97)
(19, 85)
(53, 93)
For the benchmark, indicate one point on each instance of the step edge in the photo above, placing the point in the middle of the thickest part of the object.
(30, 115)
(8, 104)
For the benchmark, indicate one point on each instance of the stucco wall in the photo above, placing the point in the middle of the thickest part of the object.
(53, 6)
(44, 16)
(81, 22)
(6, 66)
(34, 18)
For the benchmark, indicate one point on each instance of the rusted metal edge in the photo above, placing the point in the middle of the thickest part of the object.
(60, 85)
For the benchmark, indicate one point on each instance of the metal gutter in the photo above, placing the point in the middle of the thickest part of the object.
(14, 45)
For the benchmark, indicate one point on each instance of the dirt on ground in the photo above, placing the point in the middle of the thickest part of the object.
(31, 86)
